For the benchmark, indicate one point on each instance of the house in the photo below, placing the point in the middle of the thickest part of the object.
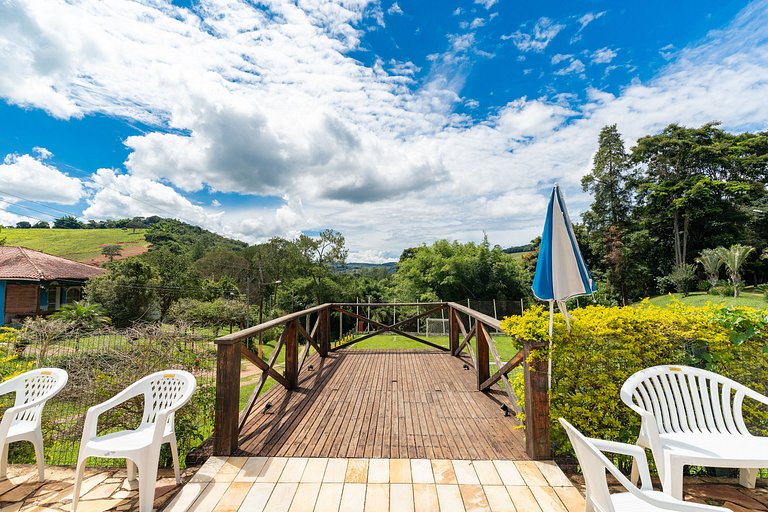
(35, 283)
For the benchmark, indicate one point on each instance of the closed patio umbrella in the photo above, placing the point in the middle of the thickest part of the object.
(561, 272)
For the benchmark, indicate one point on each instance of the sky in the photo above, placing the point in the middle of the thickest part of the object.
(397, 123)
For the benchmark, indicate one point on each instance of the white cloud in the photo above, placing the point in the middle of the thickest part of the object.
(603, 56)
(28, 177)
(254, 102)
(544, 31)
(588, 18)
(559, 57)
(486, 3)
(667, 52)
(394, 9)
(574, 67)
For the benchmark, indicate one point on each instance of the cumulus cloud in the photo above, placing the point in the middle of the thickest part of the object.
(574, 67)
(28, 177)
(268, 101)
(544, 31)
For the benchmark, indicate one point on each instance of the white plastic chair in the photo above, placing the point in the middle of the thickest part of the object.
(164, 393)
(21, 422)
(599, 499)
(694, 417)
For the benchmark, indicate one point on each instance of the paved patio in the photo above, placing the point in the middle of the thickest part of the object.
(260, 484)
(102, 489)
(299, 484)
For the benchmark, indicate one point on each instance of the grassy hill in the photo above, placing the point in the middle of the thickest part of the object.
(748, 298)
(78, 244)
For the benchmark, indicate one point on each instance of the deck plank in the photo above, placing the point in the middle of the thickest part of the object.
(383, 404)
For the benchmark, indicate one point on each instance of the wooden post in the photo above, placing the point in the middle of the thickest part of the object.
(324, 331)
(225, 427)
(483, 360)
(292, 354)
(537, 440)
(453, 330)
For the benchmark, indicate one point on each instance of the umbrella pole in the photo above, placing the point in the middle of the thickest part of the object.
(549, 360)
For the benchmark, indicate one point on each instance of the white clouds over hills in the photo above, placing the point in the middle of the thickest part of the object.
(269, 102)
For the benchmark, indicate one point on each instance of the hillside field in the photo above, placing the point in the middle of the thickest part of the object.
(78, 244)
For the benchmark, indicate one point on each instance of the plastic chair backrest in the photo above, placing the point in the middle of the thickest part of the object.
(163, 391)
(593, 465)
(684, 399)
(34, 385)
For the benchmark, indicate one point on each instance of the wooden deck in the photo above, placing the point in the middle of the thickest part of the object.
(383, 404)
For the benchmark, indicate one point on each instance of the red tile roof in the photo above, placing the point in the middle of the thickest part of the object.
(23, 263)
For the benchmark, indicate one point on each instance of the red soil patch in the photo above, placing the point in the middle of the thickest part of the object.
(128, 250)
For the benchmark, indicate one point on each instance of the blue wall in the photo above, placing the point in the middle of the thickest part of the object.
(2, 302)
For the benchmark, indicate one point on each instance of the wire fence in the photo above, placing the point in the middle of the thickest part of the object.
(99, 365)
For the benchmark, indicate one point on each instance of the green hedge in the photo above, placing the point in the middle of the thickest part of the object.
(608, 344)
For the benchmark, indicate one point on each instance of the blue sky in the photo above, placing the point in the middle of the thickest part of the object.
(396, 123)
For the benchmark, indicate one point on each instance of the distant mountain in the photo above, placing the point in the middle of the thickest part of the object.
(520, 248)
(391, 266)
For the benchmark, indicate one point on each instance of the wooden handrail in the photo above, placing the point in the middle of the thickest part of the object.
(487, 320)
(256, 329)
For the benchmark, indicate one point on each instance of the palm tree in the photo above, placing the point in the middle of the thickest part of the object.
(734, 259)
(83, 316)
(711, 260)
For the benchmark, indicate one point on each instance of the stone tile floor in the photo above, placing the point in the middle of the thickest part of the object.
(102, 490)
(107, 489)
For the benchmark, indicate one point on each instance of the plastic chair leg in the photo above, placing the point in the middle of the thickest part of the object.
(147, 481)
(78, 480)
(131, 466)
(634, 476)
(175, 455)
(748, 477)
(4, 461)
(39, 455)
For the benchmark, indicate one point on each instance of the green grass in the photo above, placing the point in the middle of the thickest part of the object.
(75, 244)
(747, 298)
(389, 341)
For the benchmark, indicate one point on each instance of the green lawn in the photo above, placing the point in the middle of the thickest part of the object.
(77, 244)
(390, 341)
(748, 298)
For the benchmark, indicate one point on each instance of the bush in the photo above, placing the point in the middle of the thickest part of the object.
(722, 288)
(608, 344)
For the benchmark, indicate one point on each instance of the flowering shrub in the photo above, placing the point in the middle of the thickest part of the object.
(608, 344)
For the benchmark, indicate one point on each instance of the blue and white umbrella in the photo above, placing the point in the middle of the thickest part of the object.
(561, 272)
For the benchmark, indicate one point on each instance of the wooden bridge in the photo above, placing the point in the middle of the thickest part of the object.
(437, 403)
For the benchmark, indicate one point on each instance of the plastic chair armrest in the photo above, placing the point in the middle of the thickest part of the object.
(633, 451)
(754, 395)
(90, 427)
(8, 386)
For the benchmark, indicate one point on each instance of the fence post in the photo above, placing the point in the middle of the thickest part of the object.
(324, 331)
(226, 412)
(482, 355)
(292, 354)
(537, 440)
(453, 330)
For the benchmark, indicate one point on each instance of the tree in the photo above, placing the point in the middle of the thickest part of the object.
(323, 255)
(23, 225)
(607, 218)
(68, 222)
(175, 275)
(711, 261)
(41, 224)
(83, 315)
(608, 182)
(734, 258)
(128, 291)
(111, 251)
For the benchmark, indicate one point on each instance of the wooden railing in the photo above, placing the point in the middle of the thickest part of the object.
(469, 331)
